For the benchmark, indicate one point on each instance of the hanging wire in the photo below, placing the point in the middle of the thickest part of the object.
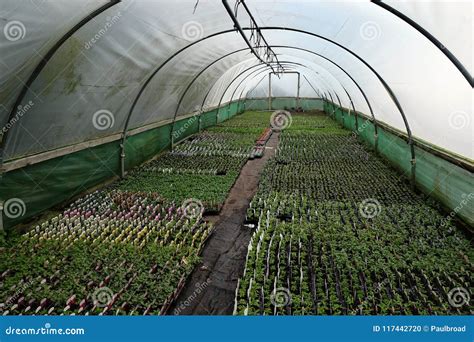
(256, 41)
(195, 6)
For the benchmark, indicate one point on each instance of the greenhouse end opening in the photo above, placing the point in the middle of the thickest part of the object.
(186, 159)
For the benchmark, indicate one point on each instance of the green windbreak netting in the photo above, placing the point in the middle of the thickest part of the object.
(145, 145)
(396, 150)
(284, 102)
(350, 121)
(256, 104)
(281, 103)
(311, 104)
(208, 119)
(46, 184)
(185, 127)
(448, 183)
(366, 130)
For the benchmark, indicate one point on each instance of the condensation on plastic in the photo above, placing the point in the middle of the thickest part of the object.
(85, 76)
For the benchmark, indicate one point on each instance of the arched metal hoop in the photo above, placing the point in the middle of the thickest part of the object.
(462, 69)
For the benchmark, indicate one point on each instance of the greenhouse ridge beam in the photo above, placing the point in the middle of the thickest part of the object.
(462, 69)
(41, 65)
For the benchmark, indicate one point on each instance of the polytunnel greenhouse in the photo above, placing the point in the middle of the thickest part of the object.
(235, 157)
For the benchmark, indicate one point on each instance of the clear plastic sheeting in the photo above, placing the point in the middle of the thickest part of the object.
(29, 30)
(437, 18)
(137, 60)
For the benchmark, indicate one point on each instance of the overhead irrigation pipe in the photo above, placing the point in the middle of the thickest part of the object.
(189, 86)
(144, 85)
(242, 33)
(462, 69)
(352, 79)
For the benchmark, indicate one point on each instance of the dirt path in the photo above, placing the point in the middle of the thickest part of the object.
(211, 287)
